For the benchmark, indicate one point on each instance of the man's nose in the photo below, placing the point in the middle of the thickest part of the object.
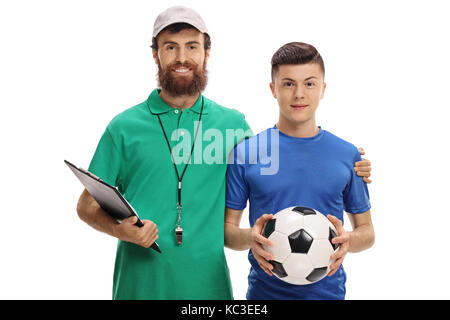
(181, 56)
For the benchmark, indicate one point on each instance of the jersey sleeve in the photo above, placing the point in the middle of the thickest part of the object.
(237, 190)
(356, 193)
(106, 160)
(247, 130)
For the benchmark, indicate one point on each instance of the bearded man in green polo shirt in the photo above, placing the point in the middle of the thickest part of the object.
(178, 192)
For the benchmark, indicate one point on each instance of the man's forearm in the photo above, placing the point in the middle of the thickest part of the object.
(237, 238)
(90, 212)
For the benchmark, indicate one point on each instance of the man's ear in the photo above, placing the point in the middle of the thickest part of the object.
(272, 88)
(155, 56)
(207, 53)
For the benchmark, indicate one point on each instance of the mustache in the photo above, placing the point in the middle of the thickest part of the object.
(182, 65)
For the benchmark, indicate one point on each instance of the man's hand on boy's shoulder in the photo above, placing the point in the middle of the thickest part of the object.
(363, 167)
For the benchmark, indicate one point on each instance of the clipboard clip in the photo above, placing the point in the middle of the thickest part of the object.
(91, 174)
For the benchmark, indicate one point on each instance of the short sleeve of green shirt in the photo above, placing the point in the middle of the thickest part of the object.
(241, 133)
(106, 161)
(247, 129)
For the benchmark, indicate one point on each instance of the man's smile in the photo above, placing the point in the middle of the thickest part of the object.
(182, 71)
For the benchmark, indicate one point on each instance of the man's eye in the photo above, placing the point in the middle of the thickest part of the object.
(192, 47)
(288, 84)
(310, 84)
(170, 47)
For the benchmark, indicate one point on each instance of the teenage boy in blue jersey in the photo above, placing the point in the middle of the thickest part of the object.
(307, 166)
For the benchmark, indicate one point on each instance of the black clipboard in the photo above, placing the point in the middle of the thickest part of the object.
(107, 196)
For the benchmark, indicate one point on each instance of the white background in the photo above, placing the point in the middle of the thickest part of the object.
(68, 67)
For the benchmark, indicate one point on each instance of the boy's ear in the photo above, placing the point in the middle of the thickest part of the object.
(272, 88)
(323, 90)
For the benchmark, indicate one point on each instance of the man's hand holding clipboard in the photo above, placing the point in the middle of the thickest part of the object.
(115, 205)
(145, 236)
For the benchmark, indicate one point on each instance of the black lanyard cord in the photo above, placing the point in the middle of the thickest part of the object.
(189, 159)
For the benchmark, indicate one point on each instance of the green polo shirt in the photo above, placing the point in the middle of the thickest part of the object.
(133, 155)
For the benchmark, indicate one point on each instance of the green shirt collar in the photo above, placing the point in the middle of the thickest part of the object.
(157, 105)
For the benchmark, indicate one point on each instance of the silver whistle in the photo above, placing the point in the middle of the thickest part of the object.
(179, 234)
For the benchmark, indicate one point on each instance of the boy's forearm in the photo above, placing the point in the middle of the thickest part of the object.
(361, 238)
(237, 238)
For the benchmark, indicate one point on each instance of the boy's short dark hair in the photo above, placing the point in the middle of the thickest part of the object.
(177, 27)
(296, 53)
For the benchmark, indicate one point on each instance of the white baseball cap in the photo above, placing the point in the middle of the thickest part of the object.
(178, 14)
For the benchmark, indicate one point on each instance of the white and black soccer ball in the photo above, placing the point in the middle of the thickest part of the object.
(302, 247)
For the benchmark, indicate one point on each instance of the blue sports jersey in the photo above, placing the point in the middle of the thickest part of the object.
(274, 171)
